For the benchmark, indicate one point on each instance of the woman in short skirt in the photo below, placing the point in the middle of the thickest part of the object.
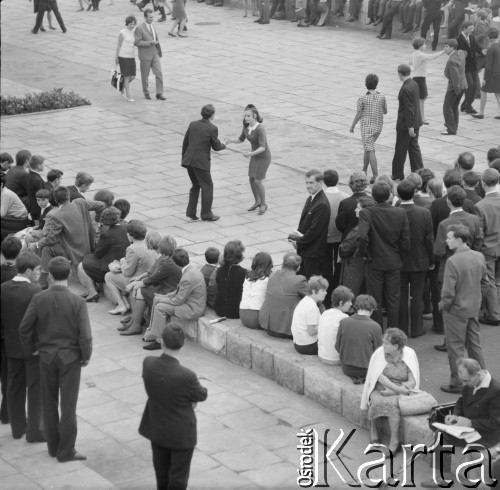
(125, 55)
(260, 156)
(419, 61)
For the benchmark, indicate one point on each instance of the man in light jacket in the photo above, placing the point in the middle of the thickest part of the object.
(454, 71)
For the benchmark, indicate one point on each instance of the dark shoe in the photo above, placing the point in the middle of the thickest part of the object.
(386, 37)
(147, 96)
(52, 28)
(33, 31)
(131, 332)
(377, 22)
(42, 29)
(497, 117)
(126, 320)
(93, 299)
(163, 19)
(447, 133)
(33, 440)
(262, 209)
(75, 457)
(457, 390)
(487, 321)
(153, 346)
(192, 216)
(258, 20)
(471, 111)
(124, 327)
(80, 10)
(478, 116)
(351, 19)
(372, 180)
(441, 348)
(379, 36)
(370, 22)
(396, 178)
(211, 218)
(84, 295)
(254, 207)
(161, 97)
(65, 31)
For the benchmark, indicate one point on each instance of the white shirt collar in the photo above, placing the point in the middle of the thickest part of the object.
(314, 195)
(332, 190)
(252, 128)
(456, 210)
(485, 383)
(407, 202)
(184, 268)
(20, 279)
(491, 192)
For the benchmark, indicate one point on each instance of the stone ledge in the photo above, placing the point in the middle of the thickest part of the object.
(277, 360)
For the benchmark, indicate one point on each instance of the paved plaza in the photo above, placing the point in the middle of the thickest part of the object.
(305, 82)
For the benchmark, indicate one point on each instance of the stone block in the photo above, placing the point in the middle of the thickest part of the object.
(351, 401)
(212, 336)
(415, 430)
(263, 361)
(190, 328)
(322, 387)
(239, 348)
(289, 369)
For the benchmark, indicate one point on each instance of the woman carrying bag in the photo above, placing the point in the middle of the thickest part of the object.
(125, 55)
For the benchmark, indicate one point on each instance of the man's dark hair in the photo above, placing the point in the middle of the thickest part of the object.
(6, 158)
(137, 229)
(22, 156)
(492, 33)
(460, 231)
(173, 336)
(110, 216)
(130, 19)
(490, 177)
(452, 43)
(54, 174)
(124, 206)
(404, 70)
(331, 178)
(61, 195)
(59, 268)
(146, 12)
(452, 177)
(212, 255)
(406, 190)
(466, 160)
(495, 164)
(207, 111)
(181, 257)
(456, 195)
(83, 178)
(493, 154)
(27, 260)
(105, 196)
(426, 175)
(11, 247)
(36, 161)
(317, 174)
(381, 191)
(42, 194)
(470, 179)
(466, 24)
(371, 81)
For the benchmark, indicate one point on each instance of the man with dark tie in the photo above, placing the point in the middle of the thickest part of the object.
(200, 138)
(311, 237)
(407, 126)
(149, 50)
(56, 325)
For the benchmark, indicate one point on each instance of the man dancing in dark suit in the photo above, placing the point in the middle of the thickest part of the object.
(200, 138)
(407, 126)
(311, 239)
(169, 421)
(56, 324)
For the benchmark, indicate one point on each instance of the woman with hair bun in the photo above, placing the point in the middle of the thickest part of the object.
(260, 155)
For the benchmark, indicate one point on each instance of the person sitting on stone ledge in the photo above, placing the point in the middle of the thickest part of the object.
(34, 233)
(229, 279)
(112, 245)
(12, 210)
(68, 231)
(307, 315)
(254, 290)
(54, 181)
(209, 271)
(285, 289)
(16, 176)
(187, 302)
(138, 259)
(162, 279)
(83, 181)
(358, 337)
(329, 324)
(34, 182)
(124, 206)
(393, 371)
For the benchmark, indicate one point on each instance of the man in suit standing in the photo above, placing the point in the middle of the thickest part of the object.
(407, 126)
(454, 71)
(311, 239)
(169, 421)
(187, 302)
(488, 211)
(346, 218)
(56, 324)
(384, 239)
(34, 182)
(467, 43)
(15, 178)
(465, 283)
(47, 6)
(479, 408)
(68, 232)
(419, 261)
(24, 372)
(148, 44)
(200, 138)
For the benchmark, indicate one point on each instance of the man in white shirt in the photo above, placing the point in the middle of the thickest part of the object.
(306, 317)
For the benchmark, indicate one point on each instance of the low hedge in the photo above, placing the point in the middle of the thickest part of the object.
(44, 101)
